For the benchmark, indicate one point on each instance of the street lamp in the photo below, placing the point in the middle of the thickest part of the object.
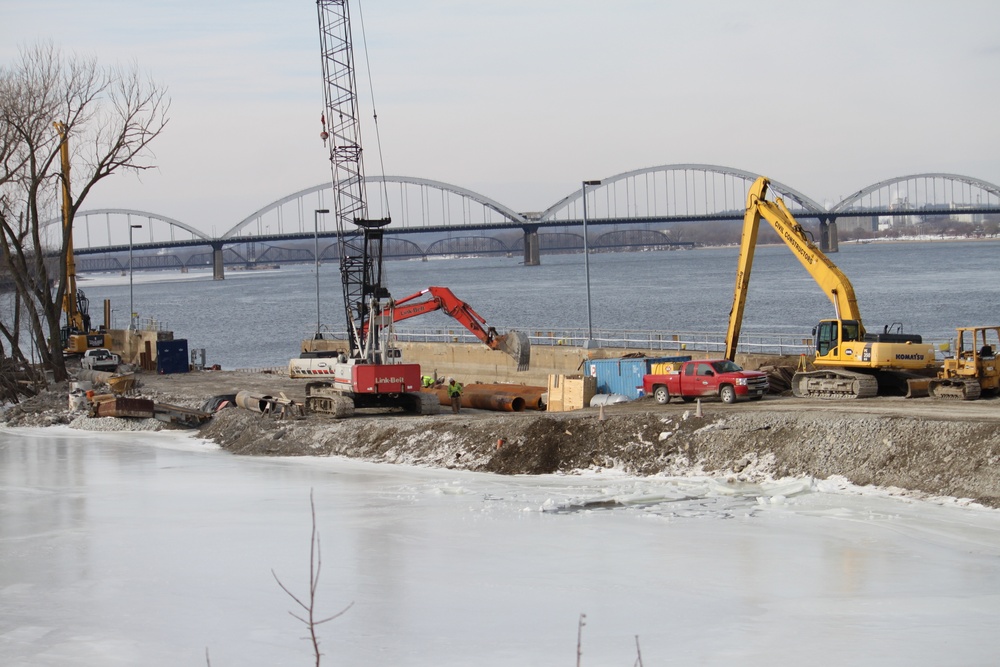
(589, 343)
(131, 307)
(316, 253)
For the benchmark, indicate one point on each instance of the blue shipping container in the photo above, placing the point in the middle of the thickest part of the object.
(624, 376)
(172, 356)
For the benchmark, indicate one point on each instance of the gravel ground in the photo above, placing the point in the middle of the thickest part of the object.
(922, 447)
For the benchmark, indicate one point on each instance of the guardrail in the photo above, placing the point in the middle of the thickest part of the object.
(699, 341)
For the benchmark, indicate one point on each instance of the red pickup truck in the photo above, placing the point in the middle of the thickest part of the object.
(706, 377)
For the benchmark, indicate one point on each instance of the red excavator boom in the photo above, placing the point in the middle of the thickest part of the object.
(514, 343)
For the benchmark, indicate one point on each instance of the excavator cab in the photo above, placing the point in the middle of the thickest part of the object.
(831, 333)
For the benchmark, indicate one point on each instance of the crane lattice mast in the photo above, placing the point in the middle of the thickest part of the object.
(359, 239)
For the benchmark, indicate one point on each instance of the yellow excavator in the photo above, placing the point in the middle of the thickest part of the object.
(849, 361)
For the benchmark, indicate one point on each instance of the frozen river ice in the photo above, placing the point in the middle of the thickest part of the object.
(151, 549)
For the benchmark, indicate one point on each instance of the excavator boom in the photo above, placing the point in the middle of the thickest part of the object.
(513, 343)
(826, 274)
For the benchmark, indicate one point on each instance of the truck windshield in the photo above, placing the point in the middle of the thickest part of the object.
(726, 367)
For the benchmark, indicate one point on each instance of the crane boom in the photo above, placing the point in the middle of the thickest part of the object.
(826, 274)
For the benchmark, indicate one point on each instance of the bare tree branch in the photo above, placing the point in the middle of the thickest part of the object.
(315, 565)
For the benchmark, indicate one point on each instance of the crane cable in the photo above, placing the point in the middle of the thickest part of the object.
(378, 139)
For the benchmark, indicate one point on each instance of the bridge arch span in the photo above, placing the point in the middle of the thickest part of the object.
(674, 190)
(415, 204)
(632, 238)
(112, 234)
(468, 245)
(934, 189)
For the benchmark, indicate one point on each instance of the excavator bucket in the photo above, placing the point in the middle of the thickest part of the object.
(517, 345)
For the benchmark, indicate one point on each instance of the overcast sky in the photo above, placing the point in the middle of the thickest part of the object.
(521, 100)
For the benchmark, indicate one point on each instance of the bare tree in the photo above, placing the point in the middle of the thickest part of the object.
(110, 116)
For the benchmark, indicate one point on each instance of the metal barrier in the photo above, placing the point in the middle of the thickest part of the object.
(699, 341)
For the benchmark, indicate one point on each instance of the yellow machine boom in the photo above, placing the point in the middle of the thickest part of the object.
(851, 360)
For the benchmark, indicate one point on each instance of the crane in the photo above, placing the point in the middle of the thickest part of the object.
(370, 374)
(850, 362)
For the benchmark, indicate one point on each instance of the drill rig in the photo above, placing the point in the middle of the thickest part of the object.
(77, 336)
(369, 374)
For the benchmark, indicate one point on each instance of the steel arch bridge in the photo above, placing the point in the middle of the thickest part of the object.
(672, 192)
(684, 192)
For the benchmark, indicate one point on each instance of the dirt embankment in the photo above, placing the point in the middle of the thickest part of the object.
(948, 449)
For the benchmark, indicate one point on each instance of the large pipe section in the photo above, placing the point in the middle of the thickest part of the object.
(532, 395)
(482, 400)
(499, 397)
(254, 402)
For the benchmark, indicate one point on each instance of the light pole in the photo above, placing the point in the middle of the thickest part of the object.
(131, 307)
(316, 253)
(589, 343)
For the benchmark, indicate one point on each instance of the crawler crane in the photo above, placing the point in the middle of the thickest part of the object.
(850, 362)
(369, 373)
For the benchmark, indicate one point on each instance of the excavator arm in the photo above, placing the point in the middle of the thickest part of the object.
(826, 274)
(514, 343)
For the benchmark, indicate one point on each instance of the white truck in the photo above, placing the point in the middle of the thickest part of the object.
(100, 359)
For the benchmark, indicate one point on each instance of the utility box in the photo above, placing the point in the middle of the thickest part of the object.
(624, 375)
(570, 392)
(172, 356)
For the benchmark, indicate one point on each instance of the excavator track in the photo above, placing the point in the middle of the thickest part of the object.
(834, 384)
(955, 389)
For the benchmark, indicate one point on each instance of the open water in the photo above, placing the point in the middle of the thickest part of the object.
(258, 318)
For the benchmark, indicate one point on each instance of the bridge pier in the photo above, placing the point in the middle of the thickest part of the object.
(828, 235)
(532, 251)
(218, 265)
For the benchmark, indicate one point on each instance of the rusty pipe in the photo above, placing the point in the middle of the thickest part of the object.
(254, 402)
(473, 397)
(532, 395)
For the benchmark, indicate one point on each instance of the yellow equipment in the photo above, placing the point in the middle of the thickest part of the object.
(850, 362)
(77, 336)
(974, 369)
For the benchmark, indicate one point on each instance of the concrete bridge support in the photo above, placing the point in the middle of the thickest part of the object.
(218, 265)
(532, 251)
(828, 235)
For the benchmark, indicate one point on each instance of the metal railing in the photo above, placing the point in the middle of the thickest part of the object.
(784, 344)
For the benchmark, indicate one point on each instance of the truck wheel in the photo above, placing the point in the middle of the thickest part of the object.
(727, 394)
(661, 395)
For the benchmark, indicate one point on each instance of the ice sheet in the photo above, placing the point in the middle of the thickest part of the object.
(124, 549)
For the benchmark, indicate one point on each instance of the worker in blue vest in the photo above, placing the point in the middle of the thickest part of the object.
(455, 394)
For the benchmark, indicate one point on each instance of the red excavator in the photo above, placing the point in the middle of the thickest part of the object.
(514, 343)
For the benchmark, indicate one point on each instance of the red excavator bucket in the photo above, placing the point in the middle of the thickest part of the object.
(517, 345)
